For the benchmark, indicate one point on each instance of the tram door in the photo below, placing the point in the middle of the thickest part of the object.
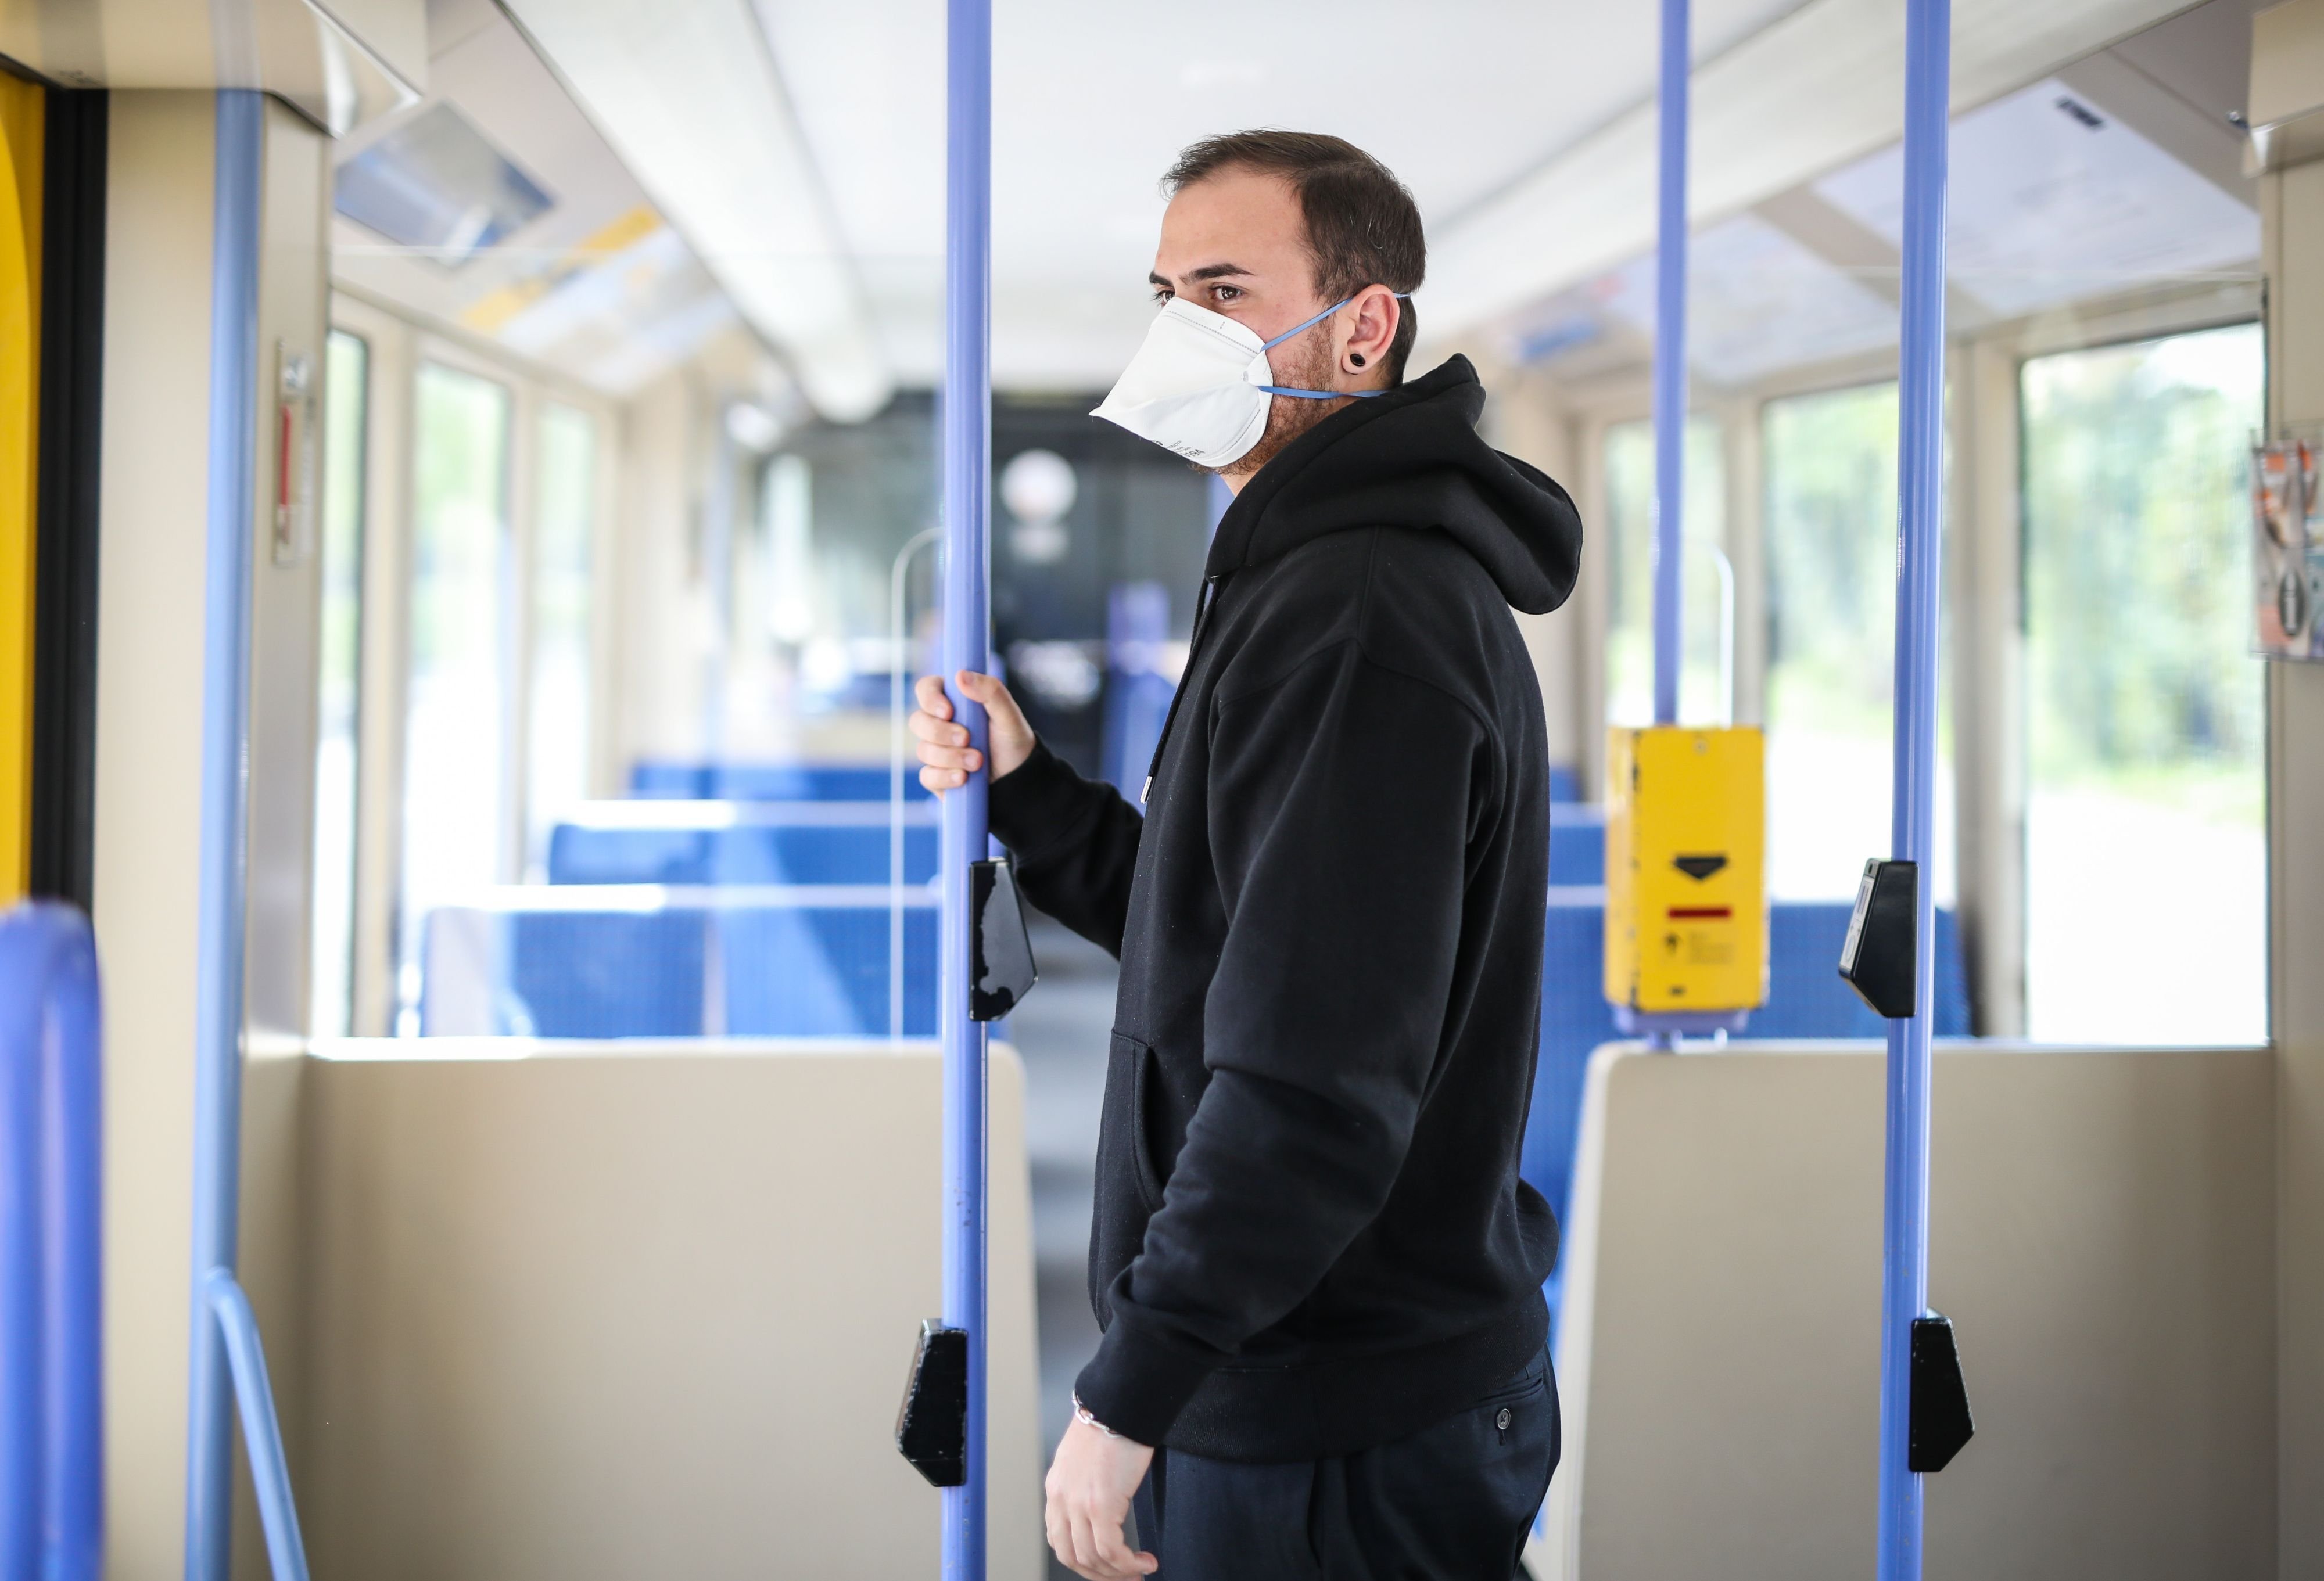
(21, 106)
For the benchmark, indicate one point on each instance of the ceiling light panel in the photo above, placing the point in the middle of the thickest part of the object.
(688, 95)
(2053, 198)
(434, 185)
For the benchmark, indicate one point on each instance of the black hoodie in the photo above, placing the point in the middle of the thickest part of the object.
(1310, 1236)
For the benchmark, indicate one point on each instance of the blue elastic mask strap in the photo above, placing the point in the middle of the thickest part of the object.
(1320, 394)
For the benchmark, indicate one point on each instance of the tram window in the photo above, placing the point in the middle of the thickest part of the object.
(455, 726)
(346, 411)
(2145, 832)
(1629, 627)
(558, 745)
(1829, 459)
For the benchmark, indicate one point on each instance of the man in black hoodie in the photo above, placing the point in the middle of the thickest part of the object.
(1318, 1269)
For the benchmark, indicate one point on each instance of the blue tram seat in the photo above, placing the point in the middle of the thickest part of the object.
(821, 973)
(1805, 999)
(644, 962)
(1577, 843)
(736, 842)
(768, 782)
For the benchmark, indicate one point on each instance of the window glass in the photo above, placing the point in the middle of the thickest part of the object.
(457, 694)
(1631, 533)
(1829, 525)
(558, 748)
(346, 406)
(2145, 835)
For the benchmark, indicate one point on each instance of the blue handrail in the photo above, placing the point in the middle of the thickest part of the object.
(967, 492)
(1670, 358)
(51, 1364)
(269, 1472)
(1920, 523)
(226, 1362)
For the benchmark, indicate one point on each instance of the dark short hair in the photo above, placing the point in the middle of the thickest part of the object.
(1364, 228)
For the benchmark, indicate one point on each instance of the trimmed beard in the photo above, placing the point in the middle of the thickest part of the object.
(1290, 416)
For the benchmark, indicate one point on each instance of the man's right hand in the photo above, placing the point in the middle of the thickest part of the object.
(947, 759)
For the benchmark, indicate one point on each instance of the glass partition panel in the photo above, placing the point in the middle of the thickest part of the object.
(558, 748)
(1630, 540)
(457, 728)
(346, 414)
(2145, 832)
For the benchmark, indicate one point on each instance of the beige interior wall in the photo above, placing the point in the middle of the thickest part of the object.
(154, 470)
(2292, 208)
(625, 1311)
(2102, 1236)
(1985, 569)
(150, 664)
(1525, 418)
(661, 619)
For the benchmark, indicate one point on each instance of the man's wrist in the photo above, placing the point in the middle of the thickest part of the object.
(1082, 1415)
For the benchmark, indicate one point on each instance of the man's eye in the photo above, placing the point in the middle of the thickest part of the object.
(1225, 293)
(1163, 294)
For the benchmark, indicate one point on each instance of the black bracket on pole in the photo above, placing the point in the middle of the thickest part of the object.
(1002, 972)
(932, 1425)
(1940, 1419)
(1878, 958)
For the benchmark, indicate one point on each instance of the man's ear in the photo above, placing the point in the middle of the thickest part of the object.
(1372, 322)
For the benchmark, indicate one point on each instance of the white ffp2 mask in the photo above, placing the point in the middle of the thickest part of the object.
(1199, 385)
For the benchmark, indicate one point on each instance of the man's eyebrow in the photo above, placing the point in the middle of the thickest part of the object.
(1207, 271)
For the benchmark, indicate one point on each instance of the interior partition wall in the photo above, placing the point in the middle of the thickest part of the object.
(2292, 207)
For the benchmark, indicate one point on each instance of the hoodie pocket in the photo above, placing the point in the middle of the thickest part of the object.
(1136, 1061)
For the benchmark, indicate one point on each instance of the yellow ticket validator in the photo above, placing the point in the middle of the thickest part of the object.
(1686, 893)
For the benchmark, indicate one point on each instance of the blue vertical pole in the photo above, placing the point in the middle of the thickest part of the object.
(1920, 523)
(967, 495)
(231, 509)
(1670, 360)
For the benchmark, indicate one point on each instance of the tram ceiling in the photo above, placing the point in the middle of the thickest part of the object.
(794, 153)
(690, 97)
(1526, 192)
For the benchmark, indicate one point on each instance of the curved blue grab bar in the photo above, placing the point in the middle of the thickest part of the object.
(51, 1363)
(269, 1474)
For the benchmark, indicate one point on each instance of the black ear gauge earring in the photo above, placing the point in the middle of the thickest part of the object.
(1357, 358)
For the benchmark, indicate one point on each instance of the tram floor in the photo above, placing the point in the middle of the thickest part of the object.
(1061, 1032)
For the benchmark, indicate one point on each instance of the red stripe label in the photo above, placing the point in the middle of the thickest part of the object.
(1698, 912)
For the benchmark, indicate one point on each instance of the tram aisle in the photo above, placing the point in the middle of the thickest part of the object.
(1061, 1032)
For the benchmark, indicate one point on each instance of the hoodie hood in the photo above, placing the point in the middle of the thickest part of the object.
(1411, 458)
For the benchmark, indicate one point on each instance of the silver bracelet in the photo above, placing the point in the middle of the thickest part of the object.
(1082, 1415)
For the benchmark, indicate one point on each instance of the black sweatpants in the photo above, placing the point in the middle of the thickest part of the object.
(1452, 1502)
